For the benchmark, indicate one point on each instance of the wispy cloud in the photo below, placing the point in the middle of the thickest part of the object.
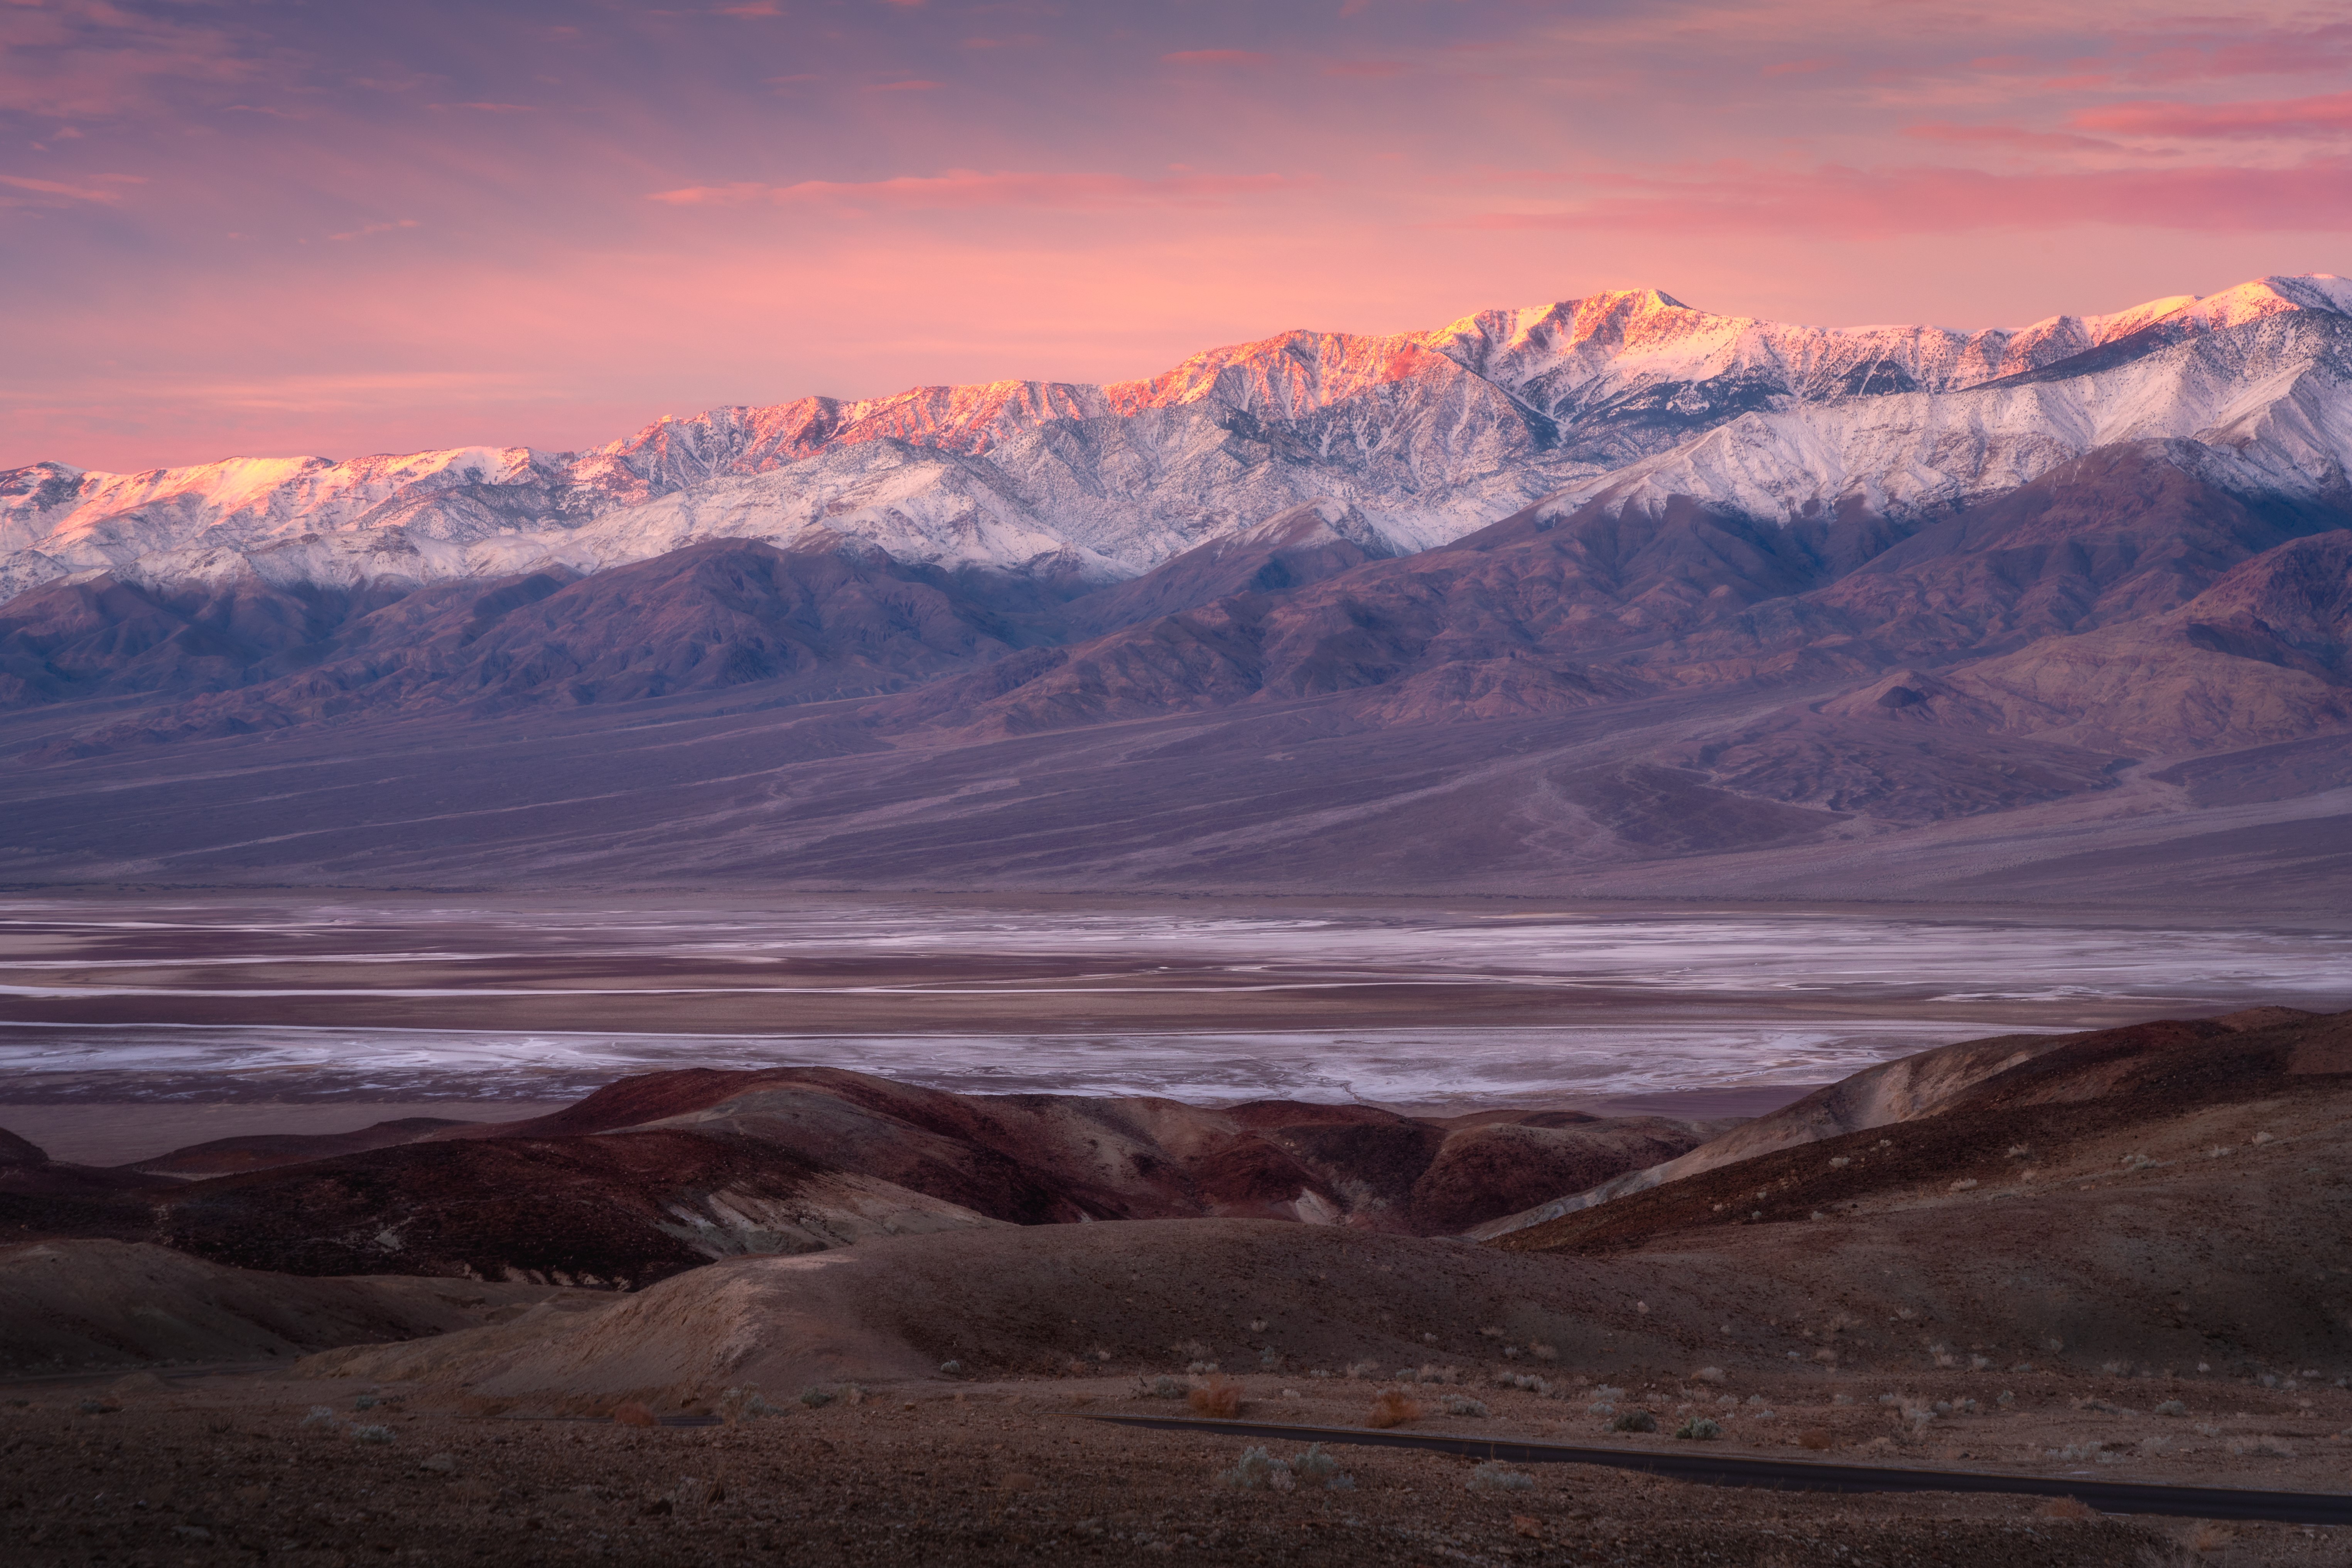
(2329, 115)
(363, 233)
(969, 189)
(1217, 57)
(97, 60)
(2015, 137)
(59, 189)
(2314, 197)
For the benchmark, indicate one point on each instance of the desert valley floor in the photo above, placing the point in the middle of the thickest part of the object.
(458, 1229)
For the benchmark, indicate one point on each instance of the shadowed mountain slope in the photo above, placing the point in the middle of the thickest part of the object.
(1634, 690)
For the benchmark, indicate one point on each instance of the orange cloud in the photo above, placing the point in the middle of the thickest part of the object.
(969, 189)
(1217, 57)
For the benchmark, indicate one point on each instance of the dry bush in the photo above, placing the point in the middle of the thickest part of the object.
(2206, 1536)
(1219, 1398)
(1394, 1407)
(1494, 1475)
(633, 1415)
(1817, 1438)
(2067, 1508)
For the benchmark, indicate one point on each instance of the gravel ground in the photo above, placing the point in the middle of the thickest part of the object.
(225, 1470)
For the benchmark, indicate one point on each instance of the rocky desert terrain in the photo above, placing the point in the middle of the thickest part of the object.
(2118, 1255)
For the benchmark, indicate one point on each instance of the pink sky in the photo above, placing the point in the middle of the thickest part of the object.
(251, 230)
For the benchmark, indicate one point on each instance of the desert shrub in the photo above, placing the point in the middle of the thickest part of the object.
(1315, 1463)
(1257, 1472)
(2261, 1448)
(1543, 1352)
(1160, 1388)
(1459, 1405)
(1363, 1369)
(2005, 1399)
(951, 1369)
(1219, 1398)
(1318, 1468)
(816, 1398)
(1634, 1421)
(2172, 1408)
(1393, 1407)
(371, 1434)
(320, 1416)
(2067, 1508)
(1494, 1475)
(1816, 1439)
(745, 1403)
(2090, 1448)
(1708, 1374)
(1698, 1429)
(364, 1402)
(633, 1415)
(1604, 1391)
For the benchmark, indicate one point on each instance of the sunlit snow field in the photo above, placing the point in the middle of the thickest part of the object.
(190, 1000)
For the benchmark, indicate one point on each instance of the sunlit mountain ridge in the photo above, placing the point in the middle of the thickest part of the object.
(1427, 436)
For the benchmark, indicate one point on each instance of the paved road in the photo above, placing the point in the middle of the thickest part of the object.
(1714, 1469)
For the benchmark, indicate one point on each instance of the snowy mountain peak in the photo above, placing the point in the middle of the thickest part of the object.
(1417, 438)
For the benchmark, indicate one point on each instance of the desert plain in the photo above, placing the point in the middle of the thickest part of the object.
(763, 1241)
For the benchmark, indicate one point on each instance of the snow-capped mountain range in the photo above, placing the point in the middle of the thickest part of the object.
(1627, 396)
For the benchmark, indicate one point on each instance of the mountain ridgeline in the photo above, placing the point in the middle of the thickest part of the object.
(1611, 597)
